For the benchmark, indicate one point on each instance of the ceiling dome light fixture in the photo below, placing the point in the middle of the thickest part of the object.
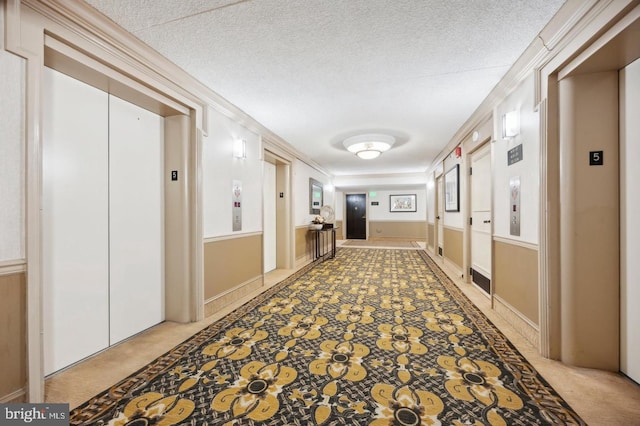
(369, 146)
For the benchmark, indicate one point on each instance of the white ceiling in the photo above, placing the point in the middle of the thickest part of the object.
(317, 71)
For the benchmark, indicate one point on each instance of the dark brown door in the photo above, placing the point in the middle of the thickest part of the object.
(356, 216)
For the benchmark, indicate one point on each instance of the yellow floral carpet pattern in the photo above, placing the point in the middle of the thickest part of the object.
(373, 337)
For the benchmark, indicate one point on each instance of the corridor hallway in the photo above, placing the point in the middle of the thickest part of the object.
(599, 398)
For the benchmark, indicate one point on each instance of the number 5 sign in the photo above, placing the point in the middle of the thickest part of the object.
(596, 158)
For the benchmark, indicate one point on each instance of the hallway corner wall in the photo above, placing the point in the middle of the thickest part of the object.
(13, 312)
(589, 218)
(233, 260)
(302, 172)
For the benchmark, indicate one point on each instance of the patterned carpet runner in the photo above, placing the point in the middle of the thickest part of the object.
(373, 337)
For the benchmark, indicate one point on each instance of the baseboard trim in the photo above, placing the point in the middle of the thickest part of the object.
(14, 397)
(303, 261)
(216, 303)
(453, 267)
(518, 321)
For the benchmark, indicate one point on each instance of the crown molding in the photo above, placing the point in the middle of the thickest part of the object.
(95, 28)
(82, 27)
(574, 17)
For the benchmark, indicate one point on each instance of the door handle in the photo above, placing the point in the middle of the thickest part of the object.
(486, 221)
(438, 217)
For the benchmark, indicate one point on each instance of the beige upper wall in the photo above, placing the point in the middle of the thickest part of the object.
(12, 126)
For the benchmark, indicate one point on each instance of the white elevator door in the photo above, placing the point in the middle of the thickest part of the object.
(481, 216)
(136, 206)
(629, 225)
(269, 232)
(75, 221)
(102, 218)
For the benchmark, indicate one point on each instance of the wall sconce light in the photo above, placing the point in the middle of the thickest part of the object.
(240, 148)
(510, 124)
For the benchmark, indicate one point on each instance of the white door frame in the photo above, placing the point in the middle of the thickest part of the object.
(285, 230)
(269, 217)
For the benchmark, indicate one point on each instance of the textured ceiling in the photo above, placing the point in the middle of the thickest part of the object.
(317, 71)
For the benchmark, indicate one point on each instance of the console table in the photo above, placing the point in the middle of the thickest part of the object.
(324, 241)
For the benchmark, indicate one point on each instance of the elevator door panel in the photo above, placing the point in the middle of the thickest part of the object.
(629, 225)
(136, 206)
(75, 227)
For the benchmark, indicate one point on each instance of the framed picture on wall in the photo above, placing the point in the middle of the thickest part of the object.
(452, 189)
(315, 196)
(402, 203)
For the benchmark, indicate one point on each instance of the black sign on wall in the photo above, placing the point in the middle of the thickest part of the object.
(596, 158)
(514, 155)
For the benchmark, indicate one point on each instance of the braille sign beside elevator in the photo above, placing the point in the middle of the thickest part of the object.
(514, 155)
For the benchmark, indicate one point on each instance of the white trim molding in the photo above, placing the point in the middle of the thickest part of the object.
(232, 236)
(13, 397)
(515, 242)
(11, 267)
